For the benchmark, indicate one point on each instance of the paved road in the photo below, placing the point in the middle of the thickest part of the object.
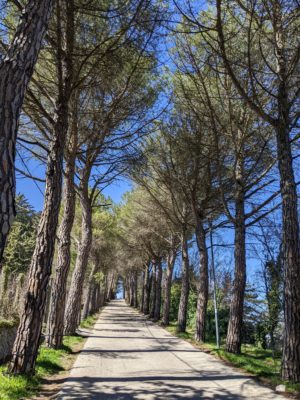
(127, 357)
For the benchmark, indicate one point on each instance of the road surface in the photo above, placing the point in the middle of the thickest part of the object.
(127, 357)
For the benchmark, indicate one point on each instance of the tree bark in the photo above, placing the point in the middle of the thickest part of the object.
(168, 285)
(29, 331)
(131, 285)
(143, 292)
(290, 369)
(234, 332)
(135, 301)
(87, 302)
(153, 289)
(55, 328)
(16, 70)
(110, 294)
(158, 291)
(147, 284)
(73, 308)
(127, 290)
(98, 298)
(28, 336)
(202, 298)
(90, 300)
(185, 285)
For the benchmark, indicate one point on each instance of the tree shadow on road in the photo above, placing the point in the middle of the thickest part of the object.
(152, 387)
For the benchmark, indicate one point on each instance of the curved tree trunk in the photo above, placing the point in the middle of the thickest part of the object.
(28, 336)
(168, 284)
(185, 286)
(16, 69)
(234, 332)
(202, 298)
(73, 309)
(55, 328)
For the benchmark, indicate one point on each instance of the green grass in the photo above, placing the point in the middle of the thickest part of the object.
(49, 362)
(254, 360)
(16, 387)
(89, 322)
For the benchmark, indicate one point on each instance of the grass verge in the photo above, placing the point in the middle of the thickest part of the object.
(90, 321)
(49, 362)
(254, 360)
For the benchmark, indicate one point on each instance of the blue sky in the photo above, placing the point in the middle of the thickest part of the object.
(34, 190)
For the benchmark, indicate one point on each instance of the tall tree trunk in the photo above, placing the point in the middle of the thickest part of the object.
(98, 297)
(110, 287)
(47, 303)
(92, 309)
(55, 328)
(158, 290)
(131, 289)
(16, 69)
(202, 298)
(28, 336)
(147, 284)
(95, 298)
(143, 291)
(168, 284)
(135, 289)
(290, 369)
(104, 291)
(29, 331)
(135, 301)
(73, 308)
(127, 290)
(89, 304)
(234, 332)
(185, 285)
(153, 288)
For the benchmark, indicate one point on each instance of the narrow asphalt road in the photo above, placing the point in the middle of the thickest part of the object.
(127, 357)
